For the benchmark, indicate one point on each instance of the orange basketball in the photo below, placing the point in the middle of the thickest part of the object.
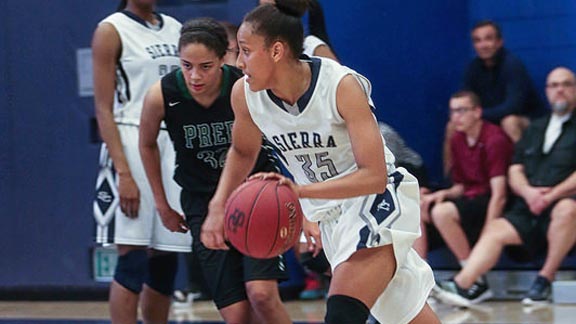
(263, 218)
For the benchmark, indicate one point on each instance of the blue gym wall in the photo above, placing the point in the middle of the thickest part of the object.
(48, 161)
(540, 32)
(413, 52)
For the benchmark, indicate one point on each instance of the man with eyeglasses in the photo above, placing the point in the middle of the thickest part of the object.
(542, 216)
(482, 153)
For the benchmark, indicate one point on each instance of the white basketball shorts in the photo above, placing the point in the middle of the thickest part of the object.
(146, 229)
(377, 220)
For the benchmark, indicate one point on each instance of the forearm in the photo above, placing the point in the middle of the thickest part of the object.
(358, 183)
(518, 181)
(566, 188)
(111, 136)
(456, 191)
(495, 206)
(150, 155)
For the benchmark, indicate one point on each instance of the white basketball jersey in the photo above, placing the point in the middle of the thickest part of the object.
(147, 54)
(311, 42)
(311, 140)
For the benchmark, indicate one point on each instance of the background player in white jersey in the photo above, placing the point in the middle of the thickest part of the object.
(132, 49)
(317, 114)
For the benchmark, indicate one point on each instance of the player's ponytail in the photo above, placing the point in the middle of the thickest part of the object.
(280, 21)
(295, 8)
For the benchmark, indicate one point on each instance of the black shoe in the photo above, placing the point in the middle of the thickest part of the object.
(455, 295)
(539, 292)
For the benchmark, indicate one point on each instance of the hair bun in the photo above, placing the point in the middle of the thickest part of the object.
(295, 8)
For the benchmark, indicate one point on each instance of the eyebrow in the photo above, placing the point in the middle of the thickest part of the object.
(201, 63)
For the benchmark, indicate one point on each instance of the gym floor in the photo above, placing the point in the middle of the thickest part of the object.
(302, 312)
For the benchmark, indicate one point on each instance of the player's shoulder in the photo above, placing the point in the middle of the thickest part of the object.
(239, 93)
(328, 70)
(172, 77)
(170, 21)
(116, 18)
(345, 77)
(173, 84)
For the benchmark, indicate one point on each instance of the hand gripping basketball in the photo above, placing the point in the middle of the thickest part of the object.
(263, 218)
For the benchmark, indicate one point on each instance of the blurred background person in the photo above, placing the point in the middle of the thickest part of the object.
(132, 49)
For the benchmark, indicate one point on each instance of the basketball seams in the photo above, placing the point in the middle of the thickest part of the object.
(278, 219)
(235, 195)
(249, 220)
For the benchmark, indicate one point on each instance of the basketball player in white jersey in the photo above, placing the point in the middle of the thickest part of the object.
(317, 114)
(132, 49)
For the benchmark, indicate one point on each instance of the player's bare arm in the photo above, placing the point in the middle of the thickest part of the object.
(241, 157)
(150, 120)
(106, 49)
(366, 145)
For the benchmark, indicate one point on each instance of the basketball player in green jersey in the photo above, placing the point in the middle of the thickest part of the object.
(194, 101)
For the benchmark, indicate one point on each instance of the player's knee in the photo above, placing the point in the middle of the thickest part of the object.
(131, 270)
(341, 309)
(262, 295)
(162, 272)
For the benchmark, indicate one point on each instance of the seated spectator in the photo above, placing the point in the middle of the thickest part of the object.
(502, 83)
(482, 153)
(542, 217)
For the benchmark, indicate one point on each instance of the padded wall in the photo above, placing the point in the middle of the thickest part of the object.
(413, 52)
(48, 161)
